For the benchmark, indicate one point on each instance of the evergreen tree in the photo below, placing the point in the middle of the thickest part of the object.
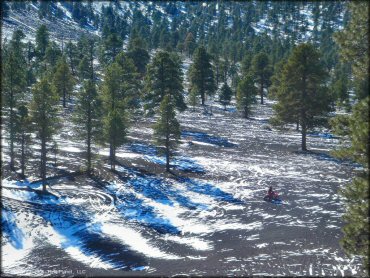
(167, 129)
(72, 56)
(84, 69)
(23, 136)
(130, 85)
(262, 71)
(52, 54)
(354, 47)
(164, 77)
(44, 115)
(62, 80)
(139, 55)
(87, 115)
(302, 95)
(189, 44)
(341, 85)
(31, 79)
(193, 98)
(115, 122)
(246, 94)
(201, 75)
(112, 45)
(246, 64)
(42, 41)
(14, 84)
(225, 95)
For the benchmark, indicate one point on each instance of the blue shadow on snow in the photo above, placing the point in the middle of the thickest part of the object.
(205, 138)
(133, 208)
(181, 163)
(10, 228)
(208, 189)
(79, 232)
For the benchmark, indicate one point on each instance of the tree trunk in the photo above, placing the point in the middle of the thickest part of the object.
(297, 126)
(43, 163)
(64, 97)
(167, 155)
(111, 154)
(89, 140)
(22, 155)
(304, 132)
(261, 91)
(246, 113)
(11, 128)
(202, 97)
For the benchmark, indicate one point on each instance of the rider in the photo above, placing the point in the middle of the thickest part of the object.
(271, 194)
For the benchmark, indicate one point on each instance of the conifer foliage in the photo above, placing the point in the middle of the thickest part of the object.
(354, 49)
(302, 94)
(246, 95)
(201, 74)
(164, 77)
(44, 114)
(13, 84)
(167, 129)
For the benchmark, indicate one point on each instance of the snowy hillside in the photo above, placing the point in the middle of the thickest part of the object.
(65, 26)
(209, 217)
(206, 214)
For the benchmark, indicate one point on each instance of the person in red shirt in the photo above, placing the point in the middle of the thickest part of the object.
(271, 194)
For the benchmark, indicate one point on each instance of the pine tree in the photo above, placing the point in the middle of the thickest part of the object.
(62, 80)
(246, 94)
(130, 85)
(164, 77)
(72, 56)
(44, 115)
(87, 115)
(341, 85)
(139, 55)
(14, 84)
(112, 45)
(52, 55)
(246, 64)
(23, 136)
(42, 41)
(189, 44)
(115, 115)
(201, 75)
(84, 69)
(31, 79)
(262, 71)
(193, 98)
(225, 95)
(354, 47)
(302, 95)
(167, 129)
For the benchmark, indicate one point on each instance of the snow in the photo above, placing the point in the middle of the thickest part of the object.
(144, 220)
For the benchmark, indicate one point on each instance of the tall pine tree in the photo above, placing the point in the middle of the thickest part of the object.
(246, 95)
(201, 75)
(87, 116)
(14, 84)
(302, 93)
(167, 129)
(262, 70)
(164, 77)
(62, 80)
(354, 48)
(44, 115)
(115, 115)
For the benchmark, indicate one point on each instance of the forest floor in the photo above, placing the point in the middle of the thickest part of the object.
(207, 217)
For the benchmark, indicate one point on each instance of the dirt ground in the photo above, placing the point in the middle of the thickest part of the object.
(207, 217)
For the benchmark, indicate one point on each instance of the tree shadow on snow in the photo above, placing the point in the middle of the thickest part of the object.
(206, 138)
